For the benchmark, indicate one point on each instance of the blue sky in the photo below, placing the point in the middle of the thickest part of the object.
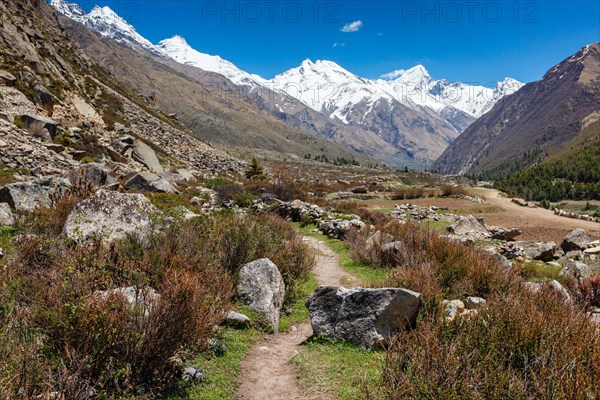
(470, 41)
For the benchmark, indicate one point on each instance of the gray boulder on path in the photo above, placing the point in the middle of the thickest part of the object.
(367, 317)
(110, 215)
(576, 240)
(262, 289)
(27, 196)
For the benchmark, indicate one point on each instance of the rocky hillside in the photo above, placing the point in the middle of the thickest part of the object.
(59, 109)
(539, 118)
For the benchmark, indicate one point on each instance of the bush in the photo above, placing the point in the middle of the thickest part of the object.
(452, 190)
(407, 193)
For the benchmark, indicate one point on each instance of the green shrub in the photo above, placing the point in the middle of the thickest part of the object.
(19, 122)
(217, 182)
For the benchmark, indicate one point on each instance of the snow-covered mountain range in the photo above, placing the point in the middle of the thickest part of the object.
(375, 105)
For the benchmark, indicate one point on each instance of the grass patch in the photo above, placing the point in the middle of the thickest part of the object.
(299, 312)
(7, 233)
(538, 271)
(7, 174)
(368, 276)
(222, 371)
(440, 226)
(480, 209)
(338, 368)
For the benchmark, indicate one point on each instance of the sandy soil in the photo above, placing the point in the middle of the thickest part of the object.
(267, 373)
(536, 223)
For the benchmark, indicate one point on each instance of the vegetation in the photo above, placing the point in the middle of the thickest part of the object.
(65, 328)
(255, 171)
(575, 177)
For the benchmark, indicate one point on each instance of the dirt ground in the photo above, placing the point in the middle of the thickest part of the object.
(536, 223)
(267, 373)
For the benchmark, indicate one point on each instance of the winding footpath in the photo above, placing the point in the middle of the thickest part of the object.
(267, 373)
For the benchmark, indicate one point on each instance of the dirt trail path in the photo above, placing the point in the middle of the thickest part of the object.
(267, 373)
(536, 223)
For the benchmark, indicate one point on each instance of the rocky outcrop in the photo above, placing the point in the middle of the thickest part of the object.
(110, 216)
(94, 173)
(261, 288)
(576, 240)
(27, 196)
(367, 317)
(144, 154)
(148, 182)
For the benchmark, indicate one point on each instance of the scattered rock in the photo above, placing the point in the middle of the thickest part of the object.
(576, 240)
(110, 215)
(37, 122)
(475, 303)
(7, 79)
(148, 182)
(192, 374)
(262, 289)
(6, 215)
(27, 196)
(469, 226)
(576, 270)
(94, 173)
(366, 317)
(145, 155)
(237, 319)
(543, 251)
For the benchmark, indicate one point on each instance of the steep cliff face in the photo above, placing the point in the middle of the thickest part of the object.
(540, 117)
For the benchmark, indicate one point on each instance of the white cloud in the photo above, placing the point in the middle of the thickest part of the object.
(337, 44)
(352, 26)
(393, 75)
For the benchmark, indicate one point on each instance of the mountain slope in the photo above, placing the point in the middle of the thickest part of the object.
(540, 116)
(411, 119)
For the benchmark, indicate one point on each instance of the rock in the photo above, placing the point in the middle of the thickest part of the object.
(262, 289)
(576, 240)
(43, 94)
(110, 215)
(507, 234)
(37, 122)
(377, 239)
(145, 155)
(366, 317)
(28, 196)
(185, 175)
(192, 374)
(359, 190)
(55, 147)
(452, 308)
(505, 262)
(6, 215)
(144, 299)
(576, 270)
(6, 78)
(475, 303)
(94, 173)
(236, 319)
(469, 226)
(554, 285)
(543, 251)
(148, 182)
(592, 250)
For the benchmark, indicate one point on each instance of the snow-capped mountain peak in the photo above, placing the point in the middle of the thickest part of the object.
(70, 10)
(414, 74)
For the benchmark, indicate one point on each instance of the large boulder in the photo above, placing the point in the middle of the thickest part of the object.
(144, 154)
(27, 196)
(110, 215)
(469, 226)
(6, 215)
(366, 317)
(576, 240)
(37, 122)
(576, 270)
(262, 289)
(148, 182)
(94, 173)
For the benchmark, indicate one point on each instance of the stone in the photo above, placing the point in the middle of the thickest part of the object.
(37, 122)
(507, 234)
(6, 215)
(55, 147)
(93, 173)
(236, 319)
(261, 288)
(505, 262)
(469, 226)
(111, 216)
(145, 155)
(185, 175)
(27, 196)
(576, 240)
(592, 250)
(192, 374)
(576, 270)
(148, 182)
(543, 251)
(367, 317)
(475, 303)
(6, 78)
